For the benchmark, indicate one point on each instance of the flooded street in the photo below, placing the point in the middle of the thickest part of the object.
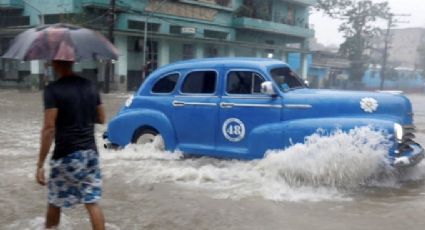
(147, 189)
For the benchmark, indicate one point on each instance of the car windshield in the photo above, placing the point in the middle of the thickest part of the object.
(286, 79)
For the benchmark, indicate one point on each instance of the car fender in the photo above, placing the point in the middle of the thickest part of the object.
(122, 128)
(282, 135)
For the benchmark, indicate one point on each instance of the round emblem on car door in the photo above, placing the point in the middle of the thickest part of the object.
(233, 130)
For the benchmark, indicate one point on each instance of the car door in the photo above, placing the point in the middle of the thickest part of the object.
(195, 111)
(242, 109)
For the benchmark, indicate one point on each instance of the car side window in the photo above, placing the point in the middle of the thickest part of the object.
(200, 82)
(244, 82)
(166, 84)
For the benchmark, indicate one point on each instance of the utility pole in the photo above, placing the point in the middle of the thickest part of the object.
(145, 38)
(109, 66)
(387, 43)
(385, 53)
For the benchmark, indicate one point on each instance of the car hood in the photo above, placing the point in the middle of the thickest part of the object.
(309, 103)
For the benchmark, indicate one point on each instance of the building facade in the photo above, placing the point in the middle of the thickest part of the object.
(329, 70)
(404, 46)
(176, 30)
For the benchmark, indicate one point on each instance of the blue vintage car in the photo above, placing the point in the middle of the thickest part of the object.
(242, 107)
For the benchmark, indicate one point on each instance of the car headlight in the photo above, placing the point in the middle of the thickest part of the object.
(398, 132)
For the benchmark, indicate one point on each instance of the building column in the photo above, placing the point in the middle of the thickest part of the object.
(199, 51)
(304, 66)
(304, 59)
(164, 52)
(284, 56)
(231, 51)
(36, 75)
(121, 65)
(258, 53)
(35, 67)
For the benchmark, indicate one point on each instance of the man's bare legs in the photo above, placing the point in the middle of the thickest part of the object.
(96, 216)
(52, 217)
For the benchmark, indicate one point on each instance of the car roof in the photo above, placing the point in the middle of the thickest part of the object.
(206, 63)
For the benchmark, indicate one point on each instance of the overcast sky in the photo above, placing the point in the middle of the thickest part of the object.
(327, 29)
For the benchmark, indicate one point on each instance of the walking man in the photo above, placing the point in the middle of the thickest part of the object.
(72, 107)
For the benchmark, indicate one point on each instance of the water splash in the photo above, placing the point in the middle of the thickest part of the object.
(66, 223)
(337, 160)
(325, 167)
(38, 224)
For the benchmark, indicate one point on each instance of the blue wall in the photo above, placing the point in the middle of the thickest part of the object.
(399, 79)
(294, 60)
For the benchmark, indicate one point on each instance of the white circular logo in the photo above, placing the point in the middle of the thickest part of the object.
(369, 104)
(233, 130)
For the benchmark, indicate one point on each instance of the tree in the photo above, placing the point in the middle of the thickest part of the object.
(359, 26)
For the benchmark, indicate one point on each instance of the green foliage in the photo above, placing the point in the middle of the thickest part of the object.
(359, 26)
(333, 8)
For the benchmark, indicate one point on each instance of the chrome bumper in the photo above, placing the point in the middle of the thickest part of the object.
(107, 144)
(411, 157)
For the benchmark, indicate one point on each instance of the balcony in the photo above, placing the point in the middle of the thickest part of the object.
(272, 27)
(104, 4)
(215, 4)
(303, 2)
(11, 4)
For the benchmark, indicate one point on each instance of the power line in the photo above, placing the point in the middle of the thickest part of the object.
(94, 19)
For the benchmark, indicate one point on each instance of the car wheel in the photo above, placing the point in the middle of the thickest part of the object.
(150, 136)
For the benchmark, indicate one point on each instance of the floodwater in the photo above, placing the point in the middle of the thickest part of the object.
(330, 183)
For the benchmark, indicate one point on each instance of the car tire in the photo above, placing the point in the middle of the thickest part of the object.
(150, 136)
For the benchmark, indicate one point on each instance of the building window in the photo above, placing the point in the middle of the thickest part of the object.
(290, 17)
(4, 45)
(52, 18)
(188, 51)
(8, 67)
(200, 82)
(58, 18)
(244, 82)
(215, 34)
(269, 42)
(8, 21)
(223, 2)
(140, 25)
(211, 51)
(151, 57)
(166, 84)
(135, 44)
(175, 29)
(255, 9)
(270, 53)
